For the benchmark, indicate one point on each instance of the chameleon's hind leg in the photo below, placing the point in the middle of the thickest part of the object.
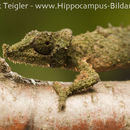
(87, 77)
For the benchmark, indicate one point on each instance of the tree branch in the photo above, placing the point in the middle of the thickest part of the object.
(33, 104)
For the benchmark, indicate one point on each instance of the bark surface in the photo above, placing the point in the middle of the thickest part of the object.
(33, 105)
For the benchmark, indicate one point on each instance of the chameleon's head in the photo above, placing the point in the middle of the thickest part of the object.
(40, 48)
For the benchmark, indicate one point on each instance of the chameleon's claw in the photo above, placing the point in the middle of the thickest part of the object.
(62, 92)
(61, 105)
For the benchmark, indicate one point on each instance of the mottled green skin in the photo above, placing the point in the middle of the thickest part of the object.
(89, 53)
(104, 49)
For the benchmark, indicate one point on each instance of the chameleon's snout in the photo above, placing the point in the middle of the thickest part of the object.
(5, 48)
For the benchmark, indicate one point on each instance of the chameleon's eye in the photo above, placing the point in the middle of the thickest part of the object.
(43, 44)
(44, 48)
(47, 43)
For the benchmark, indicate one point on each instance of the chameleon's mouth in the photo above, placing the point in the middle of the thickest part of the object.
(7, 53)
(28, 56)
(5, 48)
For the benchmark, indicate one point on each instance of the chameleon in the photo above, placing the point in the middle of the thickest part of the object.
(89, 53)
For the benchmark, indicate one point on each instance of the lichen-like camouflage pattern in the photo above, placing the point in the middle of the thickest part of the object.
(88, 53)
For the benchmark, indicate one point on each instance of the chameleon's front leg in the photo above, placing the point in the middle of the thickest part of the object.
(87, 77)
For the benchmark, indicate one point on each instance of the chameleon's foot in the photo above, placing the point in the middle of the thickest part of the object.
(62, 101)
(63, 94)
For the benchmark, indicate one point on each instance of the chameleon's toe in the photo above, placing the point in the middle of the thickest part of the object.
(62, 100)
(63, 94)
(57, 87)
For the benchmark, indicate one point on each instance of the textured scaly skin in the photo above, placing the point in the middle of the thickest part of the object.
(88, 53)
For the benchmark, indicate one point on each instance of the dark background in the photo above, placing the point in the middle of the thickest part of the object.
(15, 24)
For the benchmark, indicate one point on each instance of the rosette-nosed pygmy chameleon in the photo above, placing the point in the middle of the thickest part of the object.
(88, 53)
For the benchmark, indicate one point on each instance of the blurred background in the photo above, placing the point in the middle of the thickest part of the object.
(15, 24)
